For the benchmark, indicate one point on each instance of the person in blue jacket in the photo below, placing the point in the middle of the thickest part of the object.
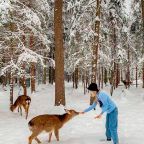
(108, 106)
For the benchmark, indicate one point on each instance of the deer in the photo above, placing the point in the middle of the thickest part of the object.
(22, 101)
(127, 83)
(49, 124)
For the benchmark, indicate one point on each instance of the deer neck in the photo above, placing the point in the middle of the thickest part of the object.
(13, 107)
(65, 118)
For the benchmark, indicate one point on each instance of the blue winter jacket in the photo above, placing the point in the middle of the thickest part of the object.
(105, 102)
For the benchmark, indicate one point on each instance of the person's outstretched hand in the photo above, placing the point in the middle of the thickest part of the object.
(98, 116)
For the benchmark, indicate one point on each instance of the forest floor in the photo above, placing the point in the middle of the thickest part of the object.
(83, 129)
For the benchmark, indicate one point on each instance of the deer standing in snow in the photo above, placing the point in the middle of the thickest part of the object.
(49, 123)
(127, 83)
(22, 101)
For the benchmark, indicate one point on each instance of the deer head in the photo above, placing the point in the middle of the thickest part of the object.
(71, 112)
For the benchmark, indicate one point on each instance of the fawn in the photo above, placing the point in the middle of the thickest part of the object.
(22, 101)
(49, 123)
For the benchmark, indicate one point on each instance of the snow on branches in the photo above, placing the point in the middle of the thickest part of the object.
(19, 21)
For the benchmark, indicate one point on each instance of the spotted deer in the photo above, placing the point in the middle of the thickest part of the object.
(49, 124)
(22, 101)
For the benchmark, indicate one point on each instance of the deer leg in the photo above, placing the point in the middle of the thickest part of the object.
(31, 138)
(20, 110)
(50, 136)
(26, 111)
(26, 114)
(38, 141)
(56, 131)
(34, 136)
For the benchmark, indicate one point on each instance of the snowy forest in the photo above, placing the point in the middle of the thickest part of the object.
(50, 53)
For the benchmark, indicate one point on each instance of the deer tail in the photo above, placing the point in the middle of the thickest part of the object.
(30, 124)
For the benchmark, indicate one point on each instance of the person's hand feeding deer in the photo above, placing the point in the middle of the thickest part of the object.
(107, 105)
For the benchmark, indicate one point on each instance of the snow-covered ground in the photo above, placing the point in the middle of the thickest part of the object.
(83, 129)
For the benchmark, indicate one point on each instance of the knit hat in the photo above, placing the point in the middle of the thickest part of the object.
(93, 87)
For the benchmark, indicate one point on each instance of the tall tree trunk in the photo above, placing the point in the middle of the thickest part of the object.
(99, 76)
(32, 71)
(11, 90)
(113, 36)
(23, 79)
(87, 79)
(96, 44)
(102, 79)
(96, 41)
(68, 77)
(32, 67)
(44, 75)
(143, 75)
(84, 81)
(105, 76)
(59, 54)
(73, 79)
(23, 83)
(128, 67)
(121, 74)
(136, 76)
(76, 77)
(142, 4)
(51, 75)
(12, 45)
(44, 71)
(51, 69)
(117, 75)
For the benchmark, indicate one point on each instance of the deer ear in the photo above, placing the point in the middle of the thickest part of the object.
(67, 111)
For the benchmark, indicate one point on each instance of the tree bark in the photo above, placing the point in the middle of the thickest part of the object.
(99, 76)
(12, 45)
(73, 79)
(32, 71)
(51, 69)
(51, 75)
(96, 44)
(23, 79)
(11, 90)
(44, 71)
(84, 81)
(59, 54)
(117, 75)
(143, 75)
(96, 41)
(76, 77)
(23, 84)
(142, 4)
(136, 76)
(32, 67)
(102, 79)
(105, 76)
(113, 36)
(128, 67)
